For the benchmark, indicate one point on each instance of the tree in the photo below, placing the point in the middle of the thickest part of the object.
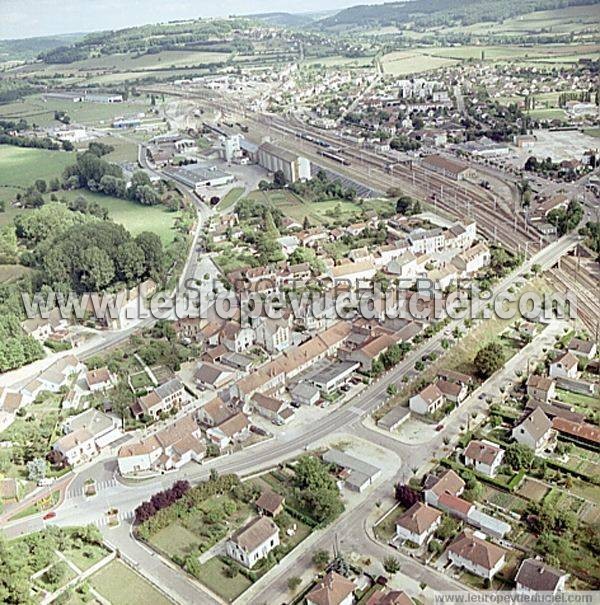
(489, 359)
(293, 583)
(391, 565)
(36, 469)
(320, 559)
(519, 456)
(406, 495)
(41, 185)
(279, 179)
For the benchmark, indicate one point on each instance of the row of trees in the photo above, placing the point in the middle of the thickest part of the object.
(161, 500)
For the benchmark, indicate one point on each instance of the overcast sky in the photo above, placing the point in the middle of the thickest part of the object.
(28, 18)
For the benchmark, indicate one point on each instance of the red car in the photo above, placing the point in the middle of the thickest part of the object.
(49, 516)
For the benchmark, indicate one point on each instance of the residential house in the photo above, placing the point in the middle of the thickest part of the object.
(274, 335)
(270, 503)
(215, 412)
(366, 353)
(353, 273)
(428, 401)
(161, 400)
(333, 589)
(535, 431)
(565, 366)
(100, 380)
(212, 376)
(76, 447)
(541, 388)
(478, 556)
(230, 431)
(484, 457)
(536, 576)
(268, 407)
(418, 523)
(236, 337)
(389, 597)
(472, 260)
(456, 392)
(253, 541)
(169, 449)
(448, 483)
(584, 349)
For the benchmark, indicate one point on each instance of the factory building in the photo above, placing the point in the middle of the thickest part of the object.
(293, 166)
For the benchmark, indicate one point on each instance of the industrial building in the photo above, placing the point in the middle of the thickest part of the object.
(200, 175)
(293, 166)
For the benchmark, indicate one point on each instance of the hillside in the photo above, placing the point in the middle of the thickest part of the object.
(427, 13)
(29, 48)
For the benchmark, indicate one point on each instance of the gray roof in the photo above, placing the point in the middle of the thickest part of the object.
(351, 463)
(169, 388)
(393, 417)
(304, 390)
(330, 371)
(279, 152)
(488, 523)
(91, 420)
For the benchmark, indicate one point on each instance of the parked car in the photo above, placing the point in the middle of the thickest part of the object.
(48, 516)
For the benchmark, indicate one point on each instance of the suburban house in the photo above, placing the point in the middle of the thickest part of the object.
(168, 449)
(212, 376)
(85, 435)
(448, 483)
(565, 366)
(428, 401)
(230, 431)
(536, 576)
(535, 431)
(484, 457)
(270, 503)
(215, 412)
(100, 380)
(268, 407)
(453, 391)
(418, 523)
(236, 337)
(274, 335)
(472, 260)
(476, 555)
(333, 589)
(253, 541)
(585, 349)
(161, 400)
(54, 377)
(541, 388)
(389, 597)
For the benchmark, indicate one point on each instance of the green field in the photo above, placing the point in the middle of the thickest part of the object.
(20, 167)
(122, 586)
(38, 111)
(133, 216)
(213, 574)
(339, 61)
(326, 212)
(230, 198)
(402, 63)
(176, 541)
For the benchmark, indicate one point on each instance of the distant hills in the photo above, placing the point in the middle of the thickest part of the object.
(29, 48)
(285, 19)
(442, 12)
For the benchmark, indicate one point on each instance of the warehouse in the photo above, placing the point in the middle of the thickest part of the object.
(200, 175)
(293, 166)
(357, 475)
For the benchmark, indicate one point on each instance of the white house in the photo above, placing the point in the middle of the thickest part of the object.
(476, 555)
(565, 366)
(484, 457)
(449, 483)
(536, 576)
(472, 260)
(535, 431)
(429, 400)
(418, 523)
(253, 541)
(76, 447)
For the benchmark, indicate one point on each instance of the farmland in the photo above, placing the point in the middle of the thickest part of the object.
(20, 167)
